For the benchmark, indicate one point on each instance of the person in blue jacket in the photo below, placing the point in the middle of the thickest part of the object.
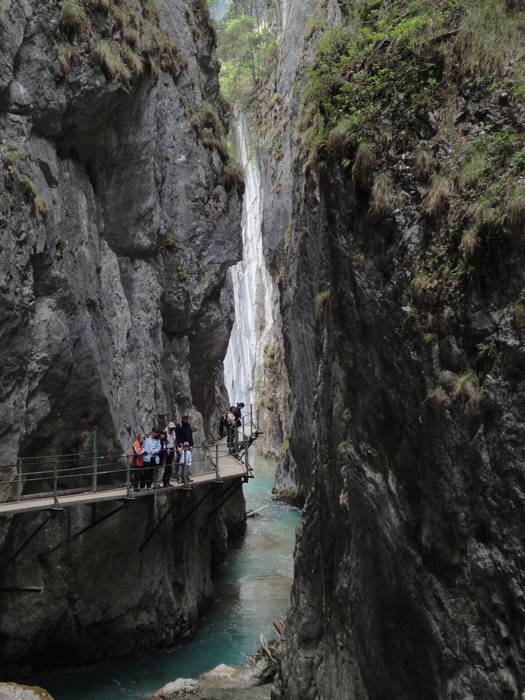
(152, 448)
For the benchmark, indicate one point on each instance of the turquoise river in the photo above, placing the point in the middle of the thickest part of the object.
(252, 589)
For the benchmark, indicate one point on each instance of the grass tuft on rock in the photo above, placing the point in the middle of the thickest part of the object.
(74, 18)
(107, 55)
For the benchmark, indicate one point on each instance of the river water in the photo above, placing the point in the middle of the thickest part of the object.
(252, 590)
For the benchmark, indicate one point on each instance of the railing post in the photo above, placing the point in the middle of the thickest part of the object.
(95, 460)
(217, 476)
(19, 478)
(55, 484)
(128, 480)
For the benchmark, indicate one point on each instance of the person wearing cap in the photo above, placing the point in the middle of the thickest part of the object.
(183, 433)
(170, 450)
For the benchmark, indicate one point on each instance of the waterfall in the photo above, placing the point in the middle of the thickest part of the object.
(253, 287)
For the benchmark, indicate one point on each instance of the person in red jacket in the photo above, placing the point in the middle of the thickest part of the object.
(137, 461)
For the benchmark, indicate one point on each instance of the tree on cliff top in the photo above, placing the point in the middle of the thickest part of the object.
(246, 44)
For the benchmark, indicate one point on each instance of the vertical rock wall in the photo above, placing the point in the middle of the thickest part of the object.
(408, 570)
(118, 225)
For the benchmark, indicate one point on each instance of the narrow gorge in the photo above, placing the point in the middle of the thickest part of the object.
(376, 323)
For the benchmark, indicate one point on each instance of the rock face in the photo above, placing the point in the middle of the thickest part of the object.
(406, 401)
(118, 225)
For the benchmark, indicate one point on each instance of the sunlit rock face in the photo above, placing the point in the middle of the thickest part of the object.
(118, 229)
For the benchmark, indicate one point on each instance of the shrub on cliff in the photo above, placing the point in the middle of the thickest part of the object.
(122, 37)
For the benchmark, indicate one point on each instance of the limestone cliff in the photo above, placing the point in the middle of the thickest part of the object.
(119, 216)
(403, 313)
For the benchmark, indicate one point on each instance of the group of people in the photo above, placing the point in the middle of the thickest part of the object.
(153, 456)
(232, 420)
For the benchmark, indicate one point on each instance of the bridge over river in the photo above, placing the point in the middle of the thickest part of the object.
(57, 481)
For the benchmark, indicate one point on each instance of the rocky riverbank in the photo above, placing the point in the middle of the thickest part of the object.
(252, 680)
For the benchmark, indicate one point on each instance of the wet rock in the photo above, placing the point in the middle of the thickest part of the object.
(228, 682)
(12, 691)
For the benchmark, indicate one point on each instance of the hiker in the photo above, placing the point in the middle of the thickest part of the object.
(223, 425)
(151, 459)
(183, 433)
(137, 461)
(238, 414)
(170, 451)
(232, 429)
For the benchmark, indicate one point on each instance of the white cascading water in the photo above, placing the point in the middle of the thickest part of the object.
(254, 293)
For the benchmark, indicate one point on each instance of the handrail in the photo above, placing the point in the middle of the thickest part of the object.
(97, 472)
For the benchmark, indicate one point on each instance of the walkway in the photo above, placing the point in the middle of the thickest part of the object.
(225, 466)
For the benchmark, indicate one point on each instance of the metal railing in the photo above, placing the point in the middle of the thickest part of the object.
(91, 471)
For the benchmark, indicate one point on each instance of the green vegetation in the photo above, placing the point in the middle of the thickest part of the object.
(320, 303)
(181, 273)
(269, 354)
(28, 186)
(318, 20)
(210, 129)
(31, 193)
(107, 54)
(74, 18)
(285, 448)
(484, 349)
(122, 36)
(12, 157)
(68, 56)
(466, 387)
(419, 105)
(246, 48)
(233, 178)
(384, 197)
(171, 241)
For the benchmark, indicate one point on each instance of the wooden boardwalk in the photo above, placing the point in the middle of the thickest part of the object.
(229, 467)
